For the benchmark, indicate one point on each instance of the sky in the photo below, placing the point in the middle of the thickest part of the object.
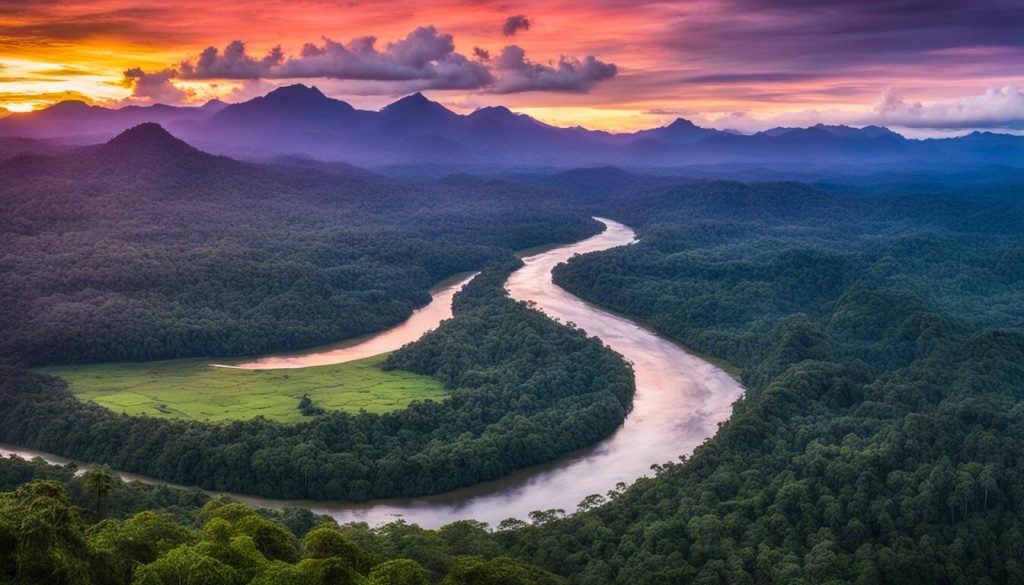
(926, 67)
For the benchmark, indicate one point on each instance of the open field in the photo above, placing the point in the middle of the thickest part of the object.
(191, 388)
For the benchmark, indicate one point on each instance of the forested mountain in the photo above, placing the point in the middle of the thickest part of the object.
(300, 120)
(146, 248)
(879, 340)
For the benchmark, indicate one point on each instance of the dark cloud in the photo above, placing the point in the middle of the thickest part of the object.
(153, 87)
(424, 55)
(424, 59)
(515, 73)
(41, 23)
(514, 24)
(233, 63)
(847, 34)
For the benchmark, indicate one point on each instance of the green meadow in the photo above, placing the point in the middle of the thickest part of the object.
(193, 389)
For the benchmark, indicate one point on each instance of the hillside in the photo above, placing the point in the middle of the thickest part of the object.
(147, 248)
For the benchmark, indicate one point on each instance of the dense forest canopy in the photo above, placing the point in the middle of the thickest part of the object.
(879, 339)
(145, 248)
(524, 390)
(59, 528)
(880, 437)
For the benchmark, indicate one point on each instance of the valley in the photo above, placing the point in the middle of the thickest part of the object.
(459, 404)
(679, 403)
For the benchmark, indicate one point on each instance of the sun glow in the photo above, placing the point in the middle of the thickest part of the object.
(20, 107)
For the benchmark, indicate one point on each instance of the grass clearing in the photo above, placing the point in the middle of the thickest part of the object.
(192, 389)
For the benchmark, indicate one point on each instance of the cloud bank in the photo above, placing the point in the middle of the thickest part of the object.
(423, 59)
(998, 108)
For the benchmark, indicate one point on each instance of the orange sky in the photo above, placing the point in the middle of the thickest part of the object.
(701, 59)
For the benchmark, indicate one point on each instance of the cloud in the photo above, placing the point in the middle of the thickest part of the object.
(233, 63)
(423, 59)
(998, 108)
(515, 73)
(424, 55)
(154, 87)
(847, 34)
(514, 24)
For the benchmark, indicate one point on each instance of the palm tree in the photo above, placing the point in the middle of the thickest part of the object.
(99, 481)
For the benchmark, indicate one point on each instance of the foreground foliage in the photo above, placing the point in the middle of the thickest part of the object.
(47, 540)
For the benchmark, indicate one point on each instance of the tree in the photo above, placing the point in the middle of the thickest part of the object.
(101, 483)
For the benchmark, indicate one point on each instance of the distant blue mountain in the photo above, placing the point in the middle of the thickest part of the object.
(300, 121)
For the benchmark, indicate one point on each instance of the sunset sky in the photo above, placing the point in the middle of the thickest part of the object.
(925, 66)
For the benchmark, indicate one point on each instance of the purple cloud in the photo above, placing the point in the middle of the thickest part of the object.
(846, 34)
(233, 63)
(515, 73)
(424, 55)
(424, 59)
(153, 86)
(514, 24)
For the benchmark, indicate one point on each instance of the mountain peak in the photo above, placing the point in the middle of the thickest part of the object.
(494, 110)
(146, 140)
(416, 104)
(682, 124)
(494, 113)
(296, 92)
(146, 131)
(68, 107)
(215, 104)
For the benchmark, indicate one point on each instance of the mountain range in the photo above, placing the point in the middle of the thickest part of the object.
(297, 121)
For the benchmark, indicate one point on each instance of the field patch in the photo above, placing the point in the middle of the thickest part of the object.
(192, 389)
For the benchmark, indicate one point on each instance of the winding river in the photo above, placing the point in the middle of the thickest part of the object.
(680, 401)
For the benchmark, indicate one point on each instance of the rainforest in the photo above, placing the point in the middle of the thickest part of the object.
(525, 294)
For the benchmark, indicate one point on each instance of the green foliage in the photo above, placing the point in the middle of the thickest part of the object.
(523, 390)
(327, 542)
(399, 572)
(191, 389)
(45, 540)
(879, 440)
(185, 254)
(42, 536)
(497, 571)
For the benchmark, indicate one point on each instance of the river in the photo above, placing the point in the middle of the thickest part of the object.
(680, 400)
